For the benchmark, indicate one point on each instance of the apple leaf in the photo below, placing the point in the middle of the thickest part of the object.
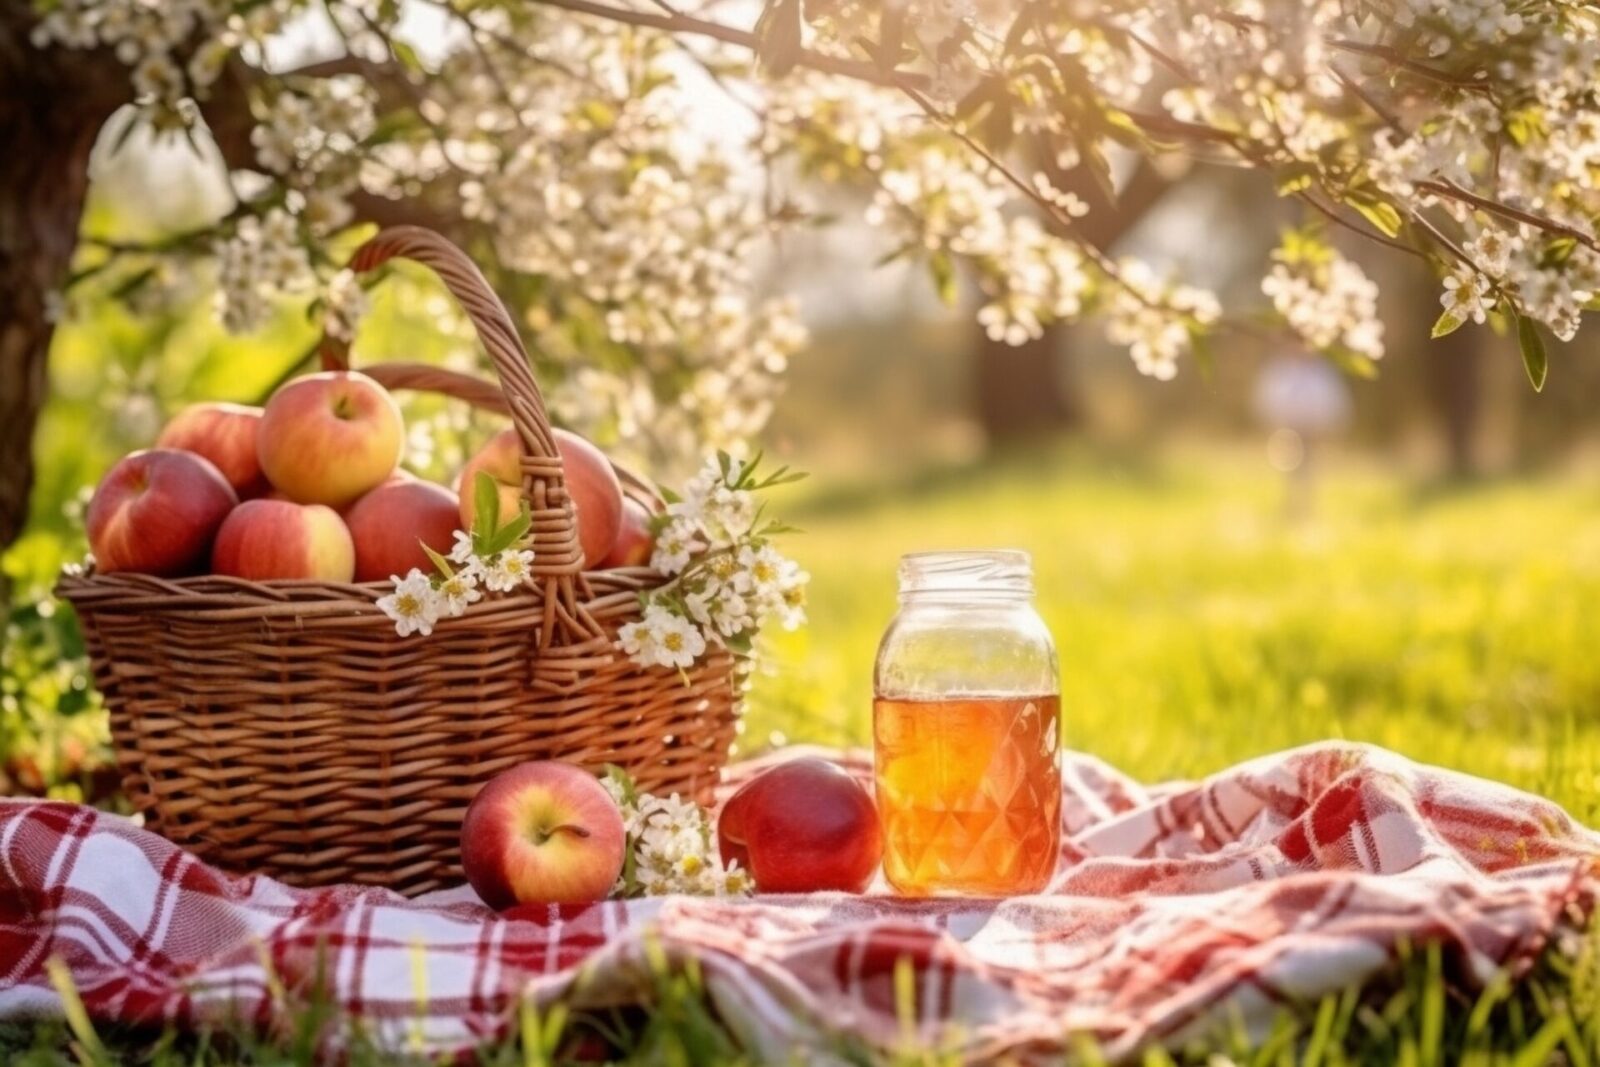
(438, 560)
(509, 534)
(485, 511)
(1448, 324)
(1534, 357)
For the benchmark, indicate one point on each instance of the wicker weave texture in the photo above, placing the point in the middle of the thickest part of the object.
(284, 727)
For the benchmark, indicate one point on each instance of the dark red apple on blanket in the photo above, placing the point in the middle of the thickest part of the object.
(542, 833)
(802, 826)
(156, 512)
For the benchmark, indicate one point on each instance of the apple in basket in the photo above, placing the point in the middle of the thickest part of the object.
(803, 826)
(328, 438)
(156, 511)
(591, 482)
(391, 524)
(226, 435)
(542, 833)
(266, 540)
(635, 542)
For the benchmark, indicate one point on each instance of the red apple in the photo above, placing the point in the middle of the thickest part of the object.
(634, 542)
(803, 826)
(156, 512)
(591, 482)
(543, 832)
(391, 524)
(328, 438)
(269, 540)
(226, 435)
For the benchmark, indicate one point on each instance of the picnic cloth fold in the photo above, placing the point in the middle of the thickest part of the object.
(1176, 909)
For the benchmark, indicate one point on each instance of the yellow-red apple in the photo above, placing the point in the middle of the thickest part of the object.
(391, 524)
(591, 483)
(328, 438)
(542, 832)
(269, 540)
(226, 435)
(802, 826)
(157, 511)
(634, 542)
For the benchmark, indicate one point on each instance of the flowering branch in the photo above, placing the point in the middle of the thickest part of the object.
(726, 577)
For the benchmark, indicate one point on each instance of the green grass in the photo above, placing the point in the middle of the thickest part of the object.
(1196, 627)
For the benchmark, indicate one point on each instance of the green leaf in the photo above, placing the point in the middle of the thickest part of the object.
(1448, 324)
(438, 560)
(1382, 214)
(486, 507)
(601, 115)
(406, 55)
(1557, 252)
(1353, 363)
(512, 532)
(1534, 357)
(1295, 178)
(944, 278)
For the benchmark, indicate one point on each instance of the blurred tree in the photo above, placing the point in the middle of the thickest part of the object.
(551, 138)
(52, 106)
(1025, 391)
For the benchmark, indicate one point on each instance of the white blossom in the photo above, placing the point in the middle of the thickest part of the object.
(414, 605)
(507, 570)
(662, 639)
(1467, 295)
(458, 591)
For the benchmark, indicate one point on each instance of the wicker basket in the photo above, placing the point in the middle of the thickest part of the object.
(283, 727)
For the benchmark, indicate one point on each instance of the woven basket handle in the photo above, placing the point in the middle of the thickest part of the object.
(558, 556)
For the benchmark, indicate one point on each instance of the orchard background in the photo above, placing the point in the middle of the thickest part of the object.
(997, 274)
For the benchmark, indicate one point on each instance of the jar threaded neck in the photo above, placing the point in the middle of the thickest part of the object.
(999, 575)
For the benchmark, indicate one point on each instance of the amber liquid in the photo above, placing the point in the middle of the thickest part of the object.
(969, 793)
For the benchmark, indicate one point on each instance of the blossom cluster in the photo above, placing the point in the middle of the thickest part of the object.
(154, 40)
(727, 577)
(1326, 299)
(671, 846)
(1466, 130)
(472, 568)
(592, 184)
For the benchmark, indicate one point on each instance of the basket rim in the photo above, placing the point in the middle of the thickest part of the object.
(206, 595)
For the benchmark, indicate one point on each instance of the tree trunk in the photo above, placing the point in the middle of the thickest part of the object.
(1023, 393)
(53, 103)
(1020, 390)
(1453, 370)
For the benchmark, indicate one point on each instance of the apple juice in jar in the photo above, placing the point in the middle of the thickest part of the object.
(965, 721)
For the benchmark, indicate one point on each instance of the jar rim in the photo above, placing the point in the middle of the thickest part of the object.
(1003, 572)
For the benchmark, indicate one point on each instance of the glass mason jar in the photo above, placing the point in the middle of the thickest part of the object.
(967, 699)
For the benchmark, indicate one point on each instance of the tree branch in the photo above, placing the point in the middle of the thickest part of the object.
(228, 115)
(680, 23)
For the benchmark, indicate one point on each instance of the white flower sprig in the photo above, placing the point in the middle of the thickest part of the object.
(727, 578)
(671, 846)
(492, 557)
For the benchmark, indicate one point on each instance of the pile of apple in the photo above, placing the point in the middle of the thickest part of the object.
(549, 833)
(310, 487)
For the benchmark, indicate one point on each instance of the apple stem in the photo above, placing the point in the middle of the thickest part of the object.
(541, 836)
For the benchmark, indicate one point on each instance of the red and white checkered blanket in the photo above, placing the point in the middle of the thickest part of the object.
(1175, 910)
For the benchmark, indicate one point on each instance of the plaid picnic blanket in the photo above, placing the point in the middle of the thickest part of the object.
(1176, 909)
